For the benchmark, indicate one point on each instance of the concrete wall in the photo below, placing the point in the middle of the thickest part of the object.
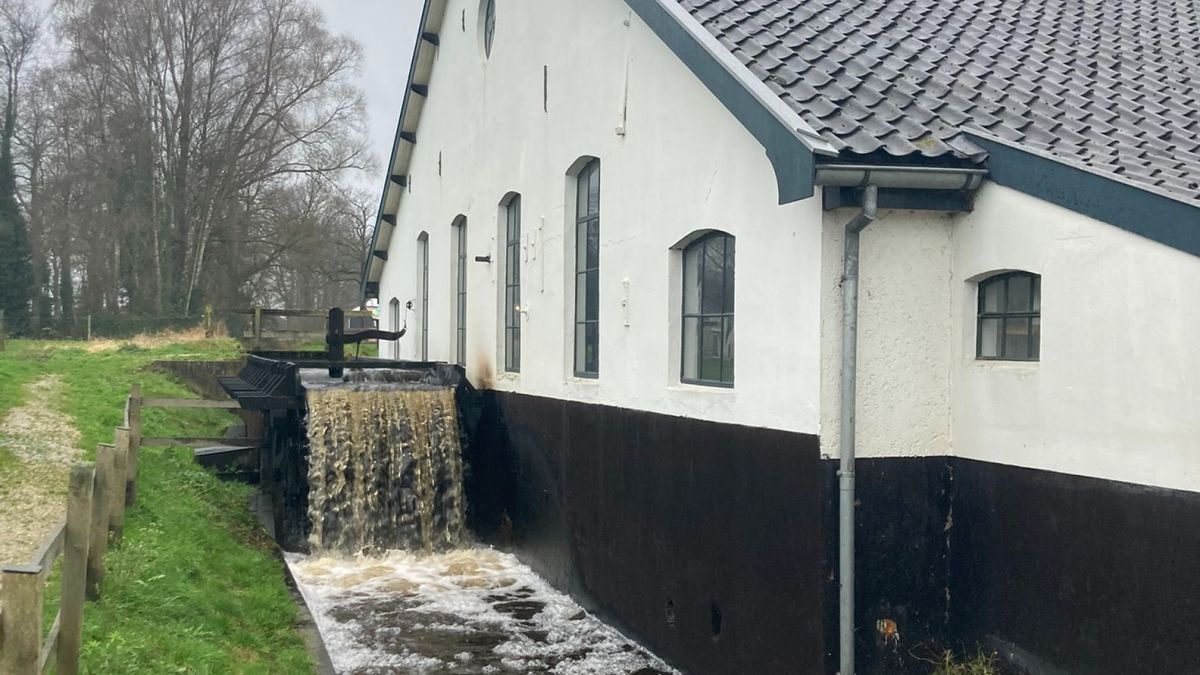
(673, 161)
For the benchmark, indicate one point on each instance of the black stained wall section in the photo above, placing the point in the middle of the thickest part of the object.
(703, 540)
(902, 527)
(1087, 575)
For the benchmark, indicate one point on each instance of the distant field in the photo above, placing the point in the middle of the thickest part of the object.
(195, 586)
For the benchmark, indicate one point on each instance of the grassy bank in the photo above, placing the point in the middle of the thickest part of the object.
(194, 587)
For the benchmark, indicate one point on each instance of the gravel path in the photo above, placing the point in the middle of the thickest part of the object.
(33, 487)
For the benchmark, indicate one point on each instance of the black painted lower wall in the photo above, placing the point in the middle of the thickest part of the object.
(1081, 574)
(716, 546)
(702, 540)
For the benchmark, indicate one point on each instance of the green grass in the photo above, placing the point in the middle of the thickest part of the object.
(194, 587)
(19, 363)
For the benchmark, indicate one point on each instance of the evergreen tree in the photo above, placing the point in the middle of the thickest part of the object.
(16, 268)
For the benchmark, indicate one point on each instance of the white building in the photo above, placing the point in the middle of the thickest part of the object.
(590, 198)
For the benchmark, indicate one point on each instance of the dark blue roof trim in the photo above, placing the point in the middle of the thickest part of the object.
(791, 158)
(412, 68)
(1137, 210)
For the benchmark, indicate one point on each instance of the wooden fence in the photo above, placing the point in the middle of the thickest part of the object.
(98, 496)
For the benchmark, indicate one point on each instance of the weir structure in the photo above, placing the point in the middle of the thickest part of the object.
(402, 488)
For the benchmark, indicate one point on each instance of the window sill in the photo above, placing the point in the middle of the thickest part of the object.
(1003, 365)
(714, 389)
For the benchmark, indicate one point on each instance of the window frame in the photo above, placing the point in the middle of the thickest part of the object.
(726, 316)
(586, 219)
(460, 291)
(1033, 315)
(512, 284)
(423, 281)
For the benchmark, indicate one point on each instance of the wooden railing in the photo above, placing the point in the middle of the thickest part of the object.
(98, 496)
(256, 335)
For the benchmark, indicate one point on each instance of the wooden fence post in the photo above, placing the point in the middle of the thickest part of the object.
(22, 621)
(74, 568)
(98, 544)
(257, 329)
(1, 330)
(134, 422)
(208, 321)
(89, 328)
(120, 487)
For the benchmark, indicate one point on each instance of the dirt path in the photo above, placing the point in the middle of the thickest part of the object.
(38, 444)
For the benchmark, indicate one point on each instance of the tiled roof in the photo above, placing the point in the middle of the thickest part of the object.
(1111, 84)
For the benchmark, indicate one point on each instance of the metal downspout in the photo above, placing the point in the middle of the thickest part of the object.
(854, 229)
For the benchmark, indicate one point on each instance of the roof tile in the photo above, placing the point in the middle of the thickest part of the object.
(1113, 84)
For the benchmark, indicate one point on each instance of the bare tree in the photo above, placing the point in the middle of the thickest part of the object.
(183, 149)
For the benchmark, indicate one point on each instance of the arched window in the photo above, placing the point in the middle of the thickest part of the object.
(423, 291)
(587, 270)
(511, 231)
(708, 292)
(460, 291)
(394, 323)
(489, 26)
(1010, 317)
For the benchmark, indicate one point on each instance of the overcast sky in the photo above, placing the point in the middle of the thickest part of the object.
(386, 29)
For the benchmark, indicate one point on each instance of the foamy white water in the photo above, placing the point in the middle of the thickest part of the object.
(468, 611)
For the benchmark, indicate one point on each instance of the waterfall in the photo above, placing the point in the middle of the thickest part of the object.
(385, 469)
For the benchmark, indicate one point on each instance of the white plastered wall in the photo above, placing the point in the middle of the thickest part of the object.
(673, 161)
(903, 334)
(1117, 391)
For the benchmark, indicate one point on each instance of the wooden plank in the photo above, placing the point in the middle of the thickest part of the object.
(74, 569)
(51, 546)
(188, 403)
(116, 503)
(50, 646)
(98, 544)
(135, 442)
(22, 621)
(191, 442)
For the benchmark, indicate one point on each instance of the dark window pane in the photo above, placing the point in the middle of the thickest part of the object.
(516, 347)
(1037, 294)
(593, 244)
(727, 353)
(1020, 293)
(729, 268)
(993, 295)
(713, 282)
(1016, 338)
(711, 342)
(594, 189)
(989, 338)
(691, 280)
(580, 348)
(1036, 344)
(489, 27)
(593, 348)
(581, 242)
(691, 345)
(581, 196)
(593, 296)
(581, 296)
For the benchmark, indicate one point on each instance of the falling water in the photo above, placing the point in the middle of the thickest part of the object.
(385, 469)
